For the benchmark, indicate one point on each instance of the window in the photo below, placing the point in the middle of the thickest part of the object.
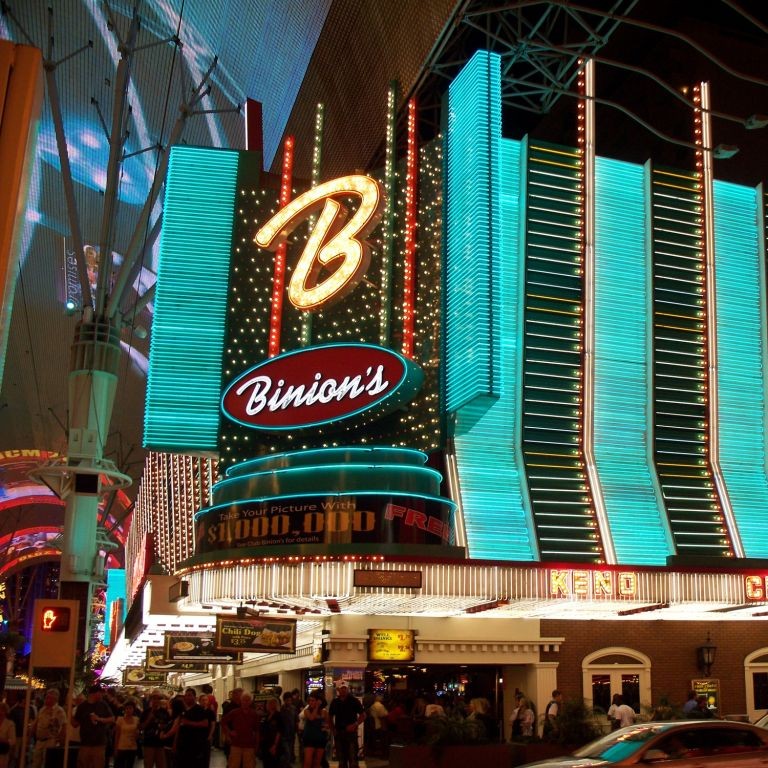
(756, 683)
(609, 671)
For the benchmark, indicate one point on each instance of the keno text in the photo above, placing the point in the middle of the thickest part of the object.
(595, 584)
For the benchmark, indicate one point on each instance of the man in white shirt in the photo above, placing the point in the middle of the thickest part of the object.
(624, 713)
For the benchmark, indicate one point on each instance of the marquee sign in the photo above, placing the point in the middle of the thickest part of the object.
(334, 241)
(756, 589)
(321, 385)
(592, 584)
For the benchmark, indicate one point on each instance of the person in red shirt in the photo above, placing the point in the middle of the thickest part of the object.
(241, 727)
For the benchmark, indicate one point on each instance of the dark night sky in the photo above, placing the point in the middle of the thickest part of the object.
(716, 27)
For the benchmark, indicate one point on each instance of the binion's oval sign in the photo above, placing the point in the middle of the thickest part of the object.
(321, 385)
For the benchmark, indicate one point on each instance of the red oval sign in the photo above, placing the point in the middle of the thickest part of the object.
(320, 385)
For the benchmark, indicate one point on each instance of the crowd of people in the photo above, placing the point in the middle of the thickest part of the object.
(112, 727)
(109, 727)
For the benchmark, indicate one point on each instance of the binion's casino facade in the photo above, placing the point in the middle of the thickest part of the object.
(498, 379)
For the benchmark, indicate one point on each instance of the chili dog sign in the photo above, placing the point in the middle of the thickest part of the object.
(321, 385)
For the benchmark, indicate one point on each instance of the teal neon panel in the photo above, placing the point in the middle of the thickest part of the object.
(623, 366)
(681, 406)
(487, 438)
(552, 361)
(741, 351)
(472, 251)
(184, 380)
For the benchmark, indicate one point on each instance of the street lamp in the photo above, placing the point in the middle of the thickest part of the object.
(706, 656)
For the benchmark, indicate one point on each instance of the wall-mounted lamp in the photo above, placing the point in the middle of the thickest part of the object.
(705, 655)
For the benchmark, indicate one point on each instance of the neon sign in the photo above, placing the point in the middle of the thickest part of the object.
(594, 584)
(332, 243)
(756, 588)
(320, 385)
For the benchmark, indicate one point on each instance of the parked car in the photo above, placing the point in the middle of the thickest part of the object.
(677, 744)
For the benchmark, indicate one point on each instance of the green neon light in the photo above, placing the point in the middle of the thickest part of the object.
(483, 306)
(623, 366)
(742, 352)
(319, 480)
(472, 249)
(679, 380)
(388, 221)
(552, 360)
(184, 379)
(322, 456)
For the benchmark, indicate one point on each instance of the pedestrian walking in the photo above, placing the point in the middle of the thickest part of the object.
(347, 715)
(241, 726)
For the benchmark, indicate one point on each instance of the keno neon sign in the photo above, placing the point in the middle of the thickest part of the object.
(332, 244)
(321, 385)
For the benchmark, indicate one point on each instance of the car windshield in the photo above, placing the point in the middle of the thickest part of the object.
(620, 744)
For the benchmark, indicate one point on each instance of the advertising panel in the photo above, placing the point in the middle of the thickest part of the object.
(199, 647)
(141, 676)
(709, 687)
(353, 519)
(391, 645)
(259, 634)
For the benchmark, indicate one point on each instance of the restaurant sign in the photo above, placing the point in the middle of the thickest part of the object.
(321, 385)
(142, 676)
(391, 645)
(255, 634)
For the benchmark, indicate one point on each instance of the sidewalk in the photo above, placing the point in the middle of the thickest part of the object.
(219, 760)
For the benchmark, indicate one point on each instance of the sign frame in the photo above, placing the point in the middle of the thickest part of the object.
(238, 634)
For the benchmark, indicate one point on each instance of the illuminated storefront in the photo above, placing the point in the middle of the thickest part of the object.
(476, 437)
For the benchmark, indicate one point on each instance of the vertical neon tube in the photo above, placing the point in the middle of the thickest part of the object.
(278, 281)
(409, 261)
(703, 136)
(388, 223)
(587, 132)
(317, 160)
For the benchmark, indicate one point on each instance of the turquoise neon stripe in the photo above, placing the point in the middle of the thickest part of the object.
(742, 354)
(623, 365)
(184, 380)
(496, 516)
(471, 252)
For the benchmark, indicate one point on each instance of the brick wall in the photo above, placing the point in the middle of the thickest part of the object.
(671, 646)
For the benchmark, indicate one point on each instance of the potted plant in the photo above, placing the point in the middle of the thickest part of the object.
(576, 726)
(452, 742)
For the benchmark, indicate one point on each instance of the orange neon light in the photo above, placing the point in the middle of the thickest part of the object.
(278, 281)
(345, 251)
(409, 266)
